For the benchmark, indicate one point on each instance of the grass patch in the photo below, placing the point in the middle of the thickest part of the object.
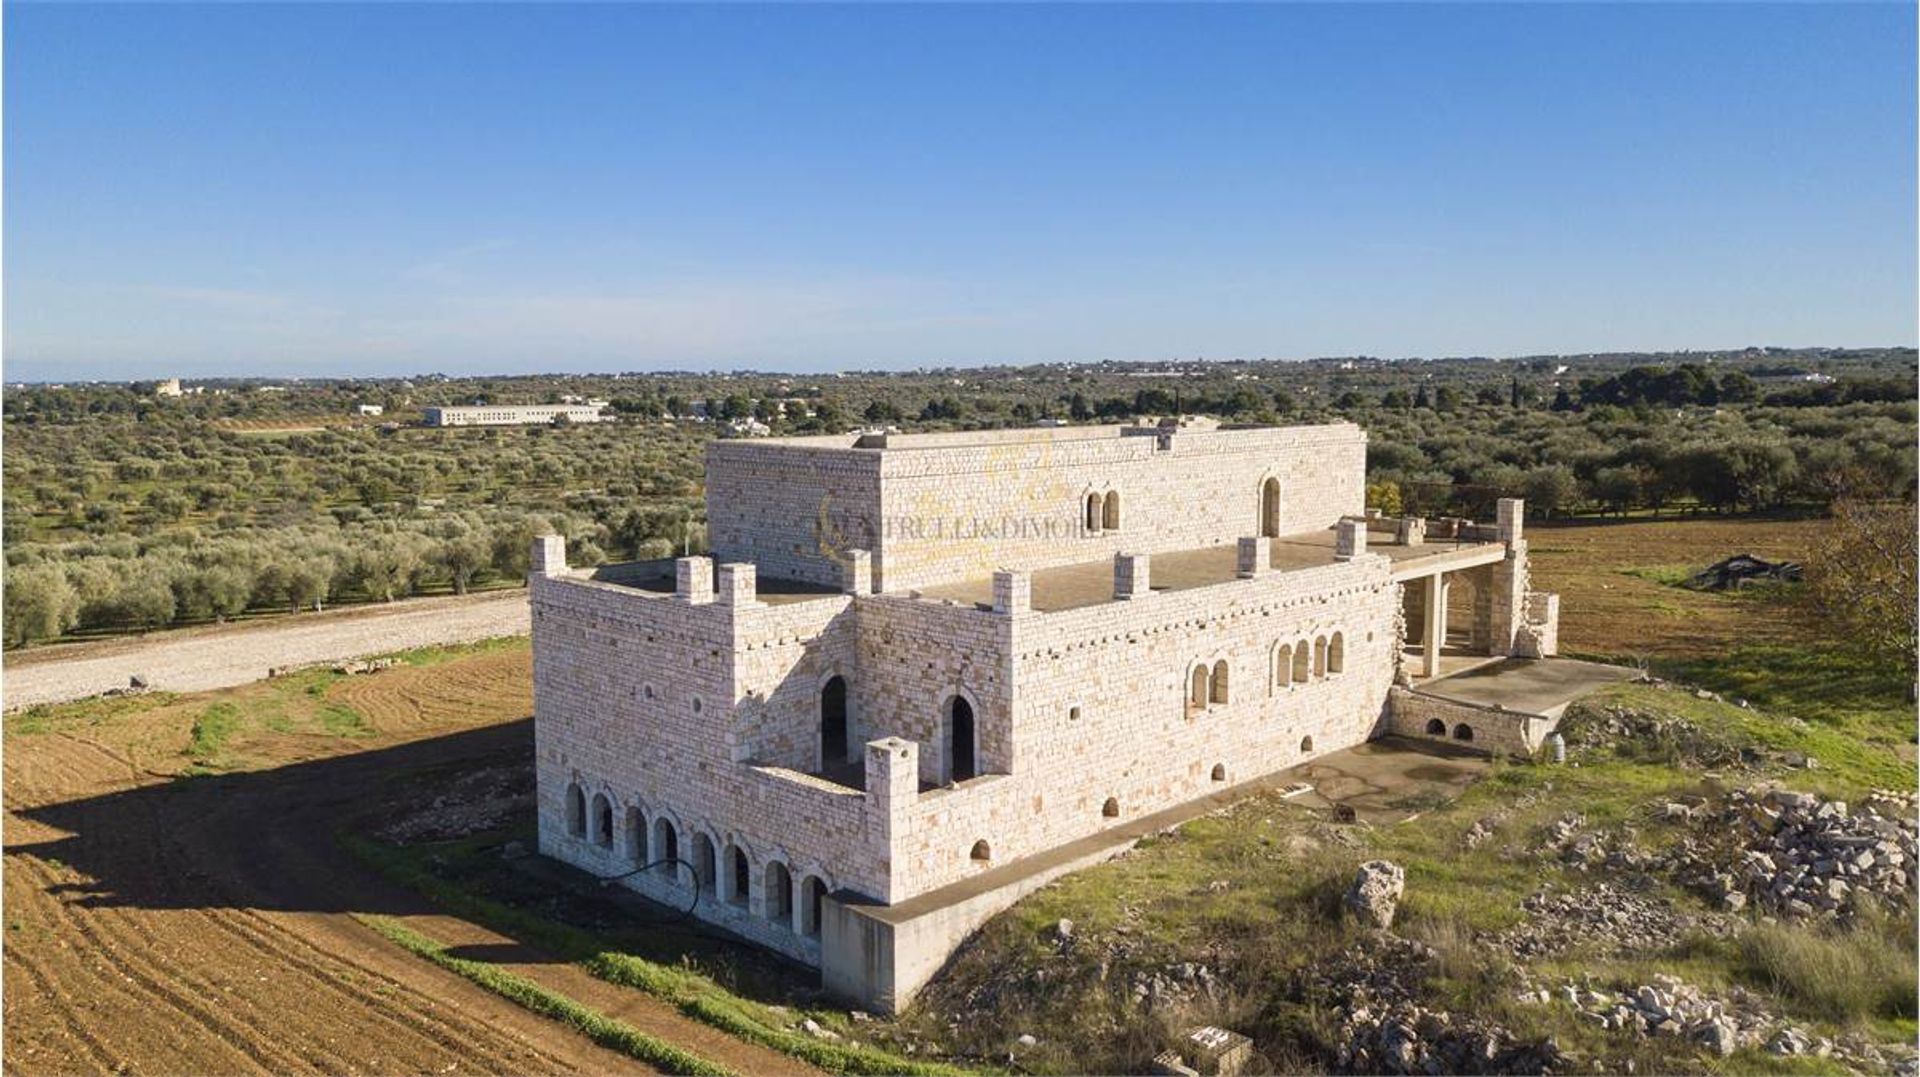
(689, 990)
(82, 713)
(1842, 975)
(596, 1026)
(207, 743)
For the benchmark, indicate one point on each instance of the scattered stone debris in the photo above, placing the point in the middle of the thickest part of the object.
(1606, 917)
(1156, 990)
(1718, 1024)
(817, 1030)
(367, 665)
(1375, 893)
(1799, 856)
(1385, 1031)
(1740, 570)
(476, 802)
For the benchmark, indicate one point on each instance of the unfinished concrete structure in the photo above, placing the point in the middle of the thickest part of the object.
(922, 675)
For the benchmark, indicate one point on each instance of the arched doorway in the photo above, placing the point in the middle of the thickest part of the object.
(960, 739)
(833, 723)
(1270, 508)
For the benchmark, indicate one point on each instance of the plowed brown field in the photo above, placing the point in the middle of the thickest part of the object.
(204, 925)
(1607, 610)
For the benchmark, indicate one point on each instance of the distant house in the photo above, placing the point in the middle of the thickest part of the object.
(512, 414)
(369, 409)
(749, 428)
(170, 387)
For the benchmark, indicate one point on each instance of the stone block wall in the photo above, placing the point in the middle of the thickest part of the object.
(939, 508)
(963, 512)
(793, 508)
(1491, 730)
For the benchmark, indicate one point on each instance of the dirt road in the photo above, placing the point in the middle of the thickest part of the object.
(196, 659)
(206, 925)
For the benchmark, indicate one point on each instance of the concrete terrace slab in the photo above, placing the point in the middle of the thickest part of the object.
(1372, 778)
(1090, 583)
(1542, 686)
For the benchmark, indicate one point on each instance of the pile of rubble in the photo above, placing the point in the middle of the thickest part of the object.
(1384, 1030)
(1605, 916)
(1621, 729)
(1799, 856)
(1721, 1025)
(1669, 1007)
(477, 802)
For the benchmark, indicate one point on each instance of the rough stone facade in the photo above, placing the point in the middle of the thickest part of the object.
(790, 751)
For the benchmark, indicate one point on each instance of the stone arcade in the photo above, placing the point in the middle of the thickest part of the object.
(921, 675)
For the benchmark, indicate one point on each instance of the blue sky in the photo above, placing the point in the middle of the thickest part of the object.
(375, 189)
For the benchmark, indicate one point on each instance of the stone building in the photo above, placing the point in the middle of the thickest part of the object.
(512, 414)
(921, 673)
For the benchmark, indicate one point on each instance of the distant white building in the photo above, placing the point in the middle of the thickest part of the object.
(749, 427)
(369, 409)
(170, 387)
(512, 414)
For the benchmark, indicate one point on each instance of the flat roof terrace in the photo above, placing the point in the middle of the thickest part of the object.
(656, 578)
(1090, 583)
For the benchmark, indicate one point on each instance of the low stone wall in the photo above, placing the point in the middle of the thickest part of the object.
(1492, 730)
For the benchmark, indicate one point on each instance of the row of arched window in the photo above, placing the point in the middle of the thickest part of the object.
(1292, 663)
(655, 845)
(1103, 512)
(1206, 686)
(1303, 661)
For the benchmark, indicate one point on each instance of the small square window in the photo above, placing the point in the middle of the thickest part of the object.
(1073, 714)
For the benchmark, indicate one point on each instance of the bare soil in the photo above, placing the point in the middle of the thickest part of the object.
(157, 924)
(1607, 610)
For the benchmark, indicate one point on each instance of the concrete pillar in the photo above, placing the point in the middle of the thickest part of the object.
(739, 585)
(1012, 592)
(1256, 556)
(893, 786)
(549, 556)
(1435, 629)
(1349, 539)
(1132, 573)
(693, 579)
(856, 573)
(1511, 512)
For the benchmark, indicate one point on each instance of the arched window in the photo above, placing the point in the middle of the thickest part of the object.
(1270, 508)
(666, 848)
(706, 867)
(1306, 744)
(982, 852)
(1283, 666)
(1110, 511)
(1463, 731)
(1219, 772)
(1219, 691)
(1336, 653)
(1197, 691)
(1111, 809)
(1094, 513)
(636, 836)
(779, 894)
(1436, 728)
(576, 812)
(1319, 657)
(833, 723)
(602, 821)
(960, 746)
(813, 897)
(1302, 658)
(741, 876)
